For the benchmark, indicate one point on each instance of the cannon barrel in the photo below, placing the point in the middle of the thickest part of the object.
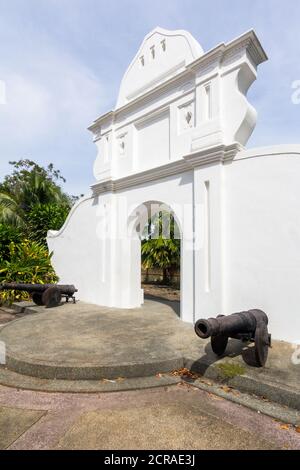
(64, 289)
(247, 326)
(230, 325)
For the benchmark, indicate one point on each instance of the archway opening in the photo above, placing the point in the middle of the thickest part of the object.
(159, 260)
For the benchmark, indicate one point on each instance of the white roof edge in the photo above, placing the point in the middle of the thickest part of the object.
(282, 149)
(251, 34)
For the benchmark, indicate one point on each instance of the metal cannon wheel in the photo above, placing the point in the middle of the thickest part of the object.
(51, 297)
(262, 344)
(37, 297)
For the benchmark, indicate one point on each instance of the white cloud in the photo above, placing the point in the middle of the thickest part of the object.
(51, 98)
(25, 112)
(58, 94)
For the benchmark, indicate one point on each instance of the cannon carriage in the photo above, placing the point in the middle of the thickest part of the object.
(49, 295)
(248, 326)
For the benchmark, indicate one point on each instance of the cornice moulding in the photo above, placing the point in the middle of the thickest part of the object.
(215, 155)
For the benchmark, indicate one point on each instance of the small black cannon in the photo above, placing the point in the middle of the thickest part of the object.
(250, 326)
(44, 294)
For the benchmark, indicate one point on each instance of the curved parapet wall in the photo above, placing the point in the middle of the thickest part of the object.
(56, 233)
(76, 249)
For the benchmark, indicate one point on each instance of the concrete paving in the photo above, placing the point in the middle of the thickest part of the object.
(87, 342)
(86, 348)
(14, 421)
(174, 417)
(8, 314)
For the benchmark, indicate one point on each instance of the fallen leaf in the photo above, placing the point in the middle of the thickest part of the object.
(215, 397)
(184, 384)
(207, 383)
(185, 373)
(226, 389)
(297, 429)
(285, 427)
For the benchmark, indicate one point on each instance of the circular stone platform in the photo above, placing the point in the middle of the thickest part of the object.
(87, 342)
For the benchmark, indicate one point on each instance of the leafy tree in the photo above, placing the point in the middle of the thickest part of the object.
(43, 217)
(28, 185)
(160, 248)
(31, 202)
(8, 234)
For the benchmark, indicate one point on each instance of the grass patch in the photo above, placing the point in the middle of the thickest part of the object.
(230, 370)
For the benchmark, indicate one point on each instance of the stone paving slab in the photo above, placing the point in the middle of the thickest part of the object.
(185, 408)
(8, 314)
(168, 426)
(14, 422)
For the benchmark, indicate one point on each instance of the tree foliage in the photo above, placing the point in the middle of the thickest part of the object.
(31, 203)
(43, 217)
(160, 247)
(27, 186)
(28, 262)
(8, 234)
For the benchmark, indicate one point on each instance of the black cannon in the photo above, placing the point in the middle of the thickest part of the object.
(44, 294)
(250, 326)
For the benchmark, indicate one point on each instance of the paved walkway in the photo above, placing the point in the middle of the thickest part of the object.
(86, 348)
(177, 417)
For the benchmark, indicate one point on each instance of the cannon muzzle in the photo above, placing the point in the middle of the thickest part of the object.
(204, 328)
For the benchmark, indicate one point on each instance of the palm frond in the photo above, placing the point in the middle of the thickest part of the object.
(10, 212)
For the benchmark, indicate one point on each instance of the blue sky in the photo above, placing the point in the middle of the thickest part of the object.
(63, 60)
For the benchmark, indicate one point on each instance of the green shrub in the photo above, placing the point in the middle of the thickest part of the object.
(8, 234)
(44, 217)
(29, 262)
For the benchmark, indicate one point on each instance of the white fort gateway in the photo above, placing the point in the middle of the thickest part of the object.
(177, 140)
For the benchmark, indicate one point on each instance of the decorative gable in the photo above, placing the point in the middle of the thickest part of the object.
(162, 55)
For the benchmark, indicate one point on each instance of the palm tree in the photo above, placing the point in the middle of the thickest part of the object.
(159, 251)
(10, 211)
(28, 186)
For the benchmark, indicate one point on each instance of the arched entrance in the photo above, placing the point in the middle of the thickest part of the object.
(155, 226)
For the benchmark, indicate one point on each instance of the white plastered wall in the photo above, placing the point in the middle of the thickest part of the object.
(107, 268)
(262, 236)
